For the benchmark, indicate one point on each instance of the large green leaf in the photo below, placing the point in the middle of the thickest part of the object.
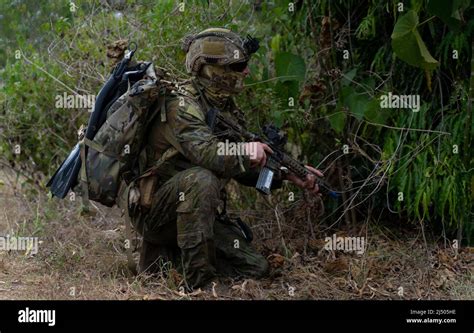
(408, 45)
(374, 113)
(348, 77)
(448, 11)
(357, 104)
(290, 67)
(338, 119)
(285, 90)
(355, 101)
(291, 70)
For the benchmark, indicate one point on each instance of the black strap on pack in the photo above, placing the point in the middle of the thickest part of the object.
(236, 222)
(211, 117)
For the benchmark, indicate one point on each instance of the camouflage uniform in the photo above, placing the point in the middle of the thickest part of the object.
(183, 222)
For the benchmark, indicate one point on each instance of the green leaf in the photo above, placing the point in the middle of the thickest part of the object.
(287, 89)
(348, 77)
(425, 203)
(418, 195)
(338, 120)
(290, 67)
(358, 104)
(277, 118)
(374, 113)
(291, 70)
(472, 188)
(275, 43)
(444, 193)
(448, 11)
(408, 45)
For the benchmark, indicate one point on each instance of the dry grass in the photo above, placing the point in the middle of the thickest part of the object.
(82, 257)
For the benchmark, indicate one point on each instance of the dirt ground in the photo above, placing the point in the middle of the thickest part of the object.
(83, 257)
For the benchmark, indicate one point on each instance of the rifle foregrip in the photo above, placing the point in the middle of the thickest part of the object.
(296, 167)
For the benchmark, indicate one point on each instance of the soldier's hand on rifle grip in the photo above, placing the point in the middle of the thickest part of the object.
(258, 153)
(313, 185)
(309, 183)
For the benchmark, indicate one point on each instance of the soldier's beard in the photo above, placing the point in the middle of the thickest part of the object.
(220, 83)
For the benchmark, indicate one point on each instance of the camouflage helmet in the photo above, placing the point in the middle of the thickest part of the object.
(217, 46)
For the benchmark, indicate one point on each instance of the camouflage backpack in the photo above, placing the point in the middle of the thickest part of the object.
(110, 164)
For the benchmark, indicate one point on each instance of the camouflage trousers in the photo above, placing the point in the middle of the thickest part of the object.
(182, 227)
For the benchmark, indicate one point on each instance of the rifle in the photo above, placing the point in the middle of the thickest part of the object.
(278, 159)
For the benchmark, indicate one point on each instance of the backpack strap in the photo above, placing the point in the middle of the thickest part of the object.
(124, 193)
(83, 177)
(132, 266)
(169, 153)
(94, 145)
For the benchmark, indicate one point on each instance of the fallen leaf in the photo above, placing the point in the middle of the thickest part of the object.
(276, 260)
(338, 266)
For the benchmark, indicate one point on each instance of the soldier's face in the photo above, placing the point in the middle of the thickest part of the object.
(228, 79)
(241, 67)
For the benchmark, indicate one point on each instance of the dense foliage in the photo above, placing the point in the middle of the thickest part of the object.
(320, 73)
